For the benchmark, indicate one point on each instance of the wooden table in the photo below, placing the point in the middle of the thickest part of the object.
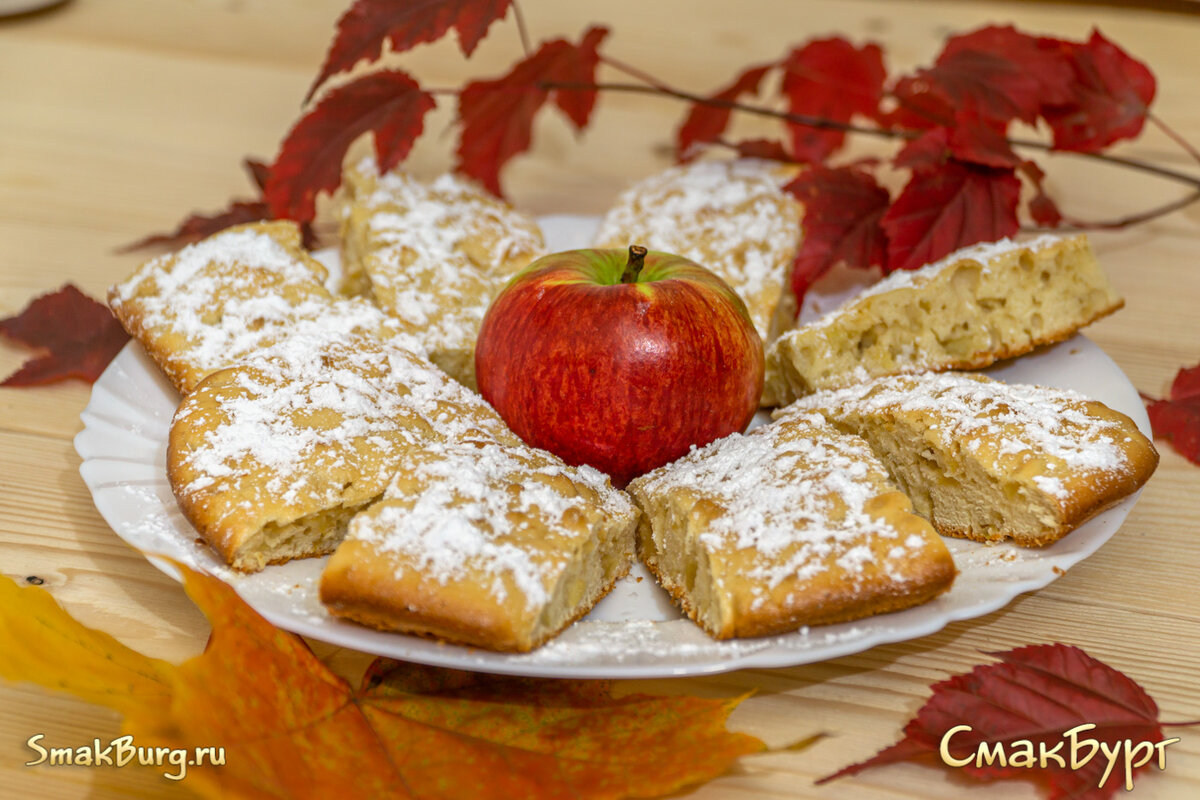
(118, 116)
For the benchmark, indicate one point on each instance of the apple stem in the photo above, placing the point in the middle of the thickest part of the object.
(637, 260)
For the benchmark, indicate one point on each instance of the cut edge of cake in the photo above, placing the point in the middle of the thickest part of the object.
(974, 307)
(493, 546)
(989, 461)
(734, 591)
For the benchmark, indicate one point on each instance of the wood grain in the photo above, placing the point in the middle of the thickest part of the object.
(119, 117)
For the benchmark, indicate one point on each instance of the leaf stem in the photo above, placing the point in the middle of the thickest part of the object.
(634, 72)
(519, 18)
(1175, 137)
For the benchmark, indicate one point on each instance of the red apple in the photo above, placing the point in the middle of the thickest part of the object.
(621, 361)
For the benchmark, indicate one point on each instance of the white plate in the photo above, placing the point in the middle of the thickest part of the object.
(635, 632)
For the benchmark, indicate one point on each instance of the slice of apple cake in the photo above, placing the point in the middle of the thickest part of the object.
(986, 460)
(972, 308)
(433, 255)
(792, 524)
(223, 300)
(269, 460)
(494, 545)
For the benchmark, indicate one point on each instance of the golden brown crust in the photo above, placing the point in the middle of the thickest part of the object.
(357, 588)
(360, 584)
(223, 301)
(804, 566)
(232, 512)
(269, 461)
(432, 255)
(1087, 500)
(989, 461)
(780, 383)
(967, 312)
(149, 306)
(495, 547)
(833, 604)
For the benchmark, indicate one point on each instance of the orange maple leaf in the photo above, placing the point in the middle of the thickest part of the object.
(291, 728)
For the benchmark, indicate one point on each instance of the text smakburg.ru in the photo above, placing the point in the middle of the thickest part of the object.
(122, 751)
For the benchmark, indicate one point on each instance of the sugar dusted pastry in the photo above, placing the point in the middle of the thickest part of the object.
(497, 546)
(433, 255)
(987, 460)
(269, 461)
(789, 525)
(730, 216)
(220, 301)
(970, 309)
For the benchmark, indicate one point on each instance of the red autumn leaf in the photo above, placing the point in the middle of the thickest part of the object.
(259, 172)
(768, 149)
(930, 150)
(1178, 416)
(995, 73)
(1044, 210)
(367, 24)
(985, 84)
(497, 115)
(833, 79)
(1041, 207)
(389, 103)
(842, 211)
(1110, 97)
(970, 139)
(1186, 384)
(981, 141)
(199, 226)
(947, 207)
(706, 123)
(1036, 694)
(80, 335)
(1045, 65)
(917, 107)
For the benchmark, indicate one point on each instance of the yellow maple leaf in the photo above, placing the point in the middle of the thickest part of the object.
(291, 728)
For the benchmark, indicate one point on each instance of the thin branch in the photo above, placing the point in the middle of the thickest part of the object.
(1132, 163)
(638, 74)
(1122, 222)
(1175, 137)
(881, 133)
(733, 105)
(519, 18)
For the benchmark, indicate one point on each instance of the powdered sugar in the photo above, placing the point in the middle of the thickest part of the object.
(436, 253)
(221, 301)
(794, 493)
(464, 512)
(228, 249)
(729, 216)
(318, 403)
(984, 254)
(1014, 421)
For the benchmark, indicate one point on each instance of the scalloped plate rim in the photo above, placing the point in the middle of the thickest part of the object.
(161, 536)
